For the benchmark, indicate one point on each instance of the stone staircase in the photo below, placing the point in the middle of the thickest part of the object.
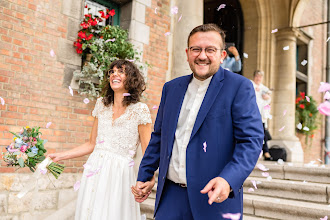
(294, 191)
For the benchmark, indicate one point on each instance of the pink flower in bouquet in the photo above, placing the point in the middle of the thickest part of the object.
(25, 138)
(23, 148)
(24, 156)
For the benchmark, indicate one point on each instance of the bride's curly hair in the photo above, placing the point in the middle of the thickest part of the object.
(134, 83)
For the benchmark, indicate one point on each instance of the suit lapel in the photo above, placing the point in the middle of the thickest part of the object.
(210, 96)
(175, 98)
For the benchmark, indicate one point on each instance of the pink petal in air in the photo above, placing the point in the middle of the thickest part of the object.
(265, 174)
(131, 60)
(86, 100)
(274, 31)
(92, 173)
(250, 190)
(204, 146)
(221, 6)
(267, 107)
(324, 218)
(281, 129)
(2, 101)
(154, 107)
(174, 10)
(52, 53)
(126, 94)
(76, 186)
(232, 216)
(87, 166)
(324, 108)
(112, 40)
(284, 112)
(324, 87)
(130, 164)
(155, 10)
(100, 142)
(48, 124)
(327, 95)
(71, 91)
(262, 167)
(180, 18)
(43, 171)
(254, 184)
(167, 34)
(131, 152)
(307, 99)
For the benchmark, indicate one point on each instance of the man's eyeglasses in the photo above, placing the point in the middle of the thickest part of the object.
(209, 51)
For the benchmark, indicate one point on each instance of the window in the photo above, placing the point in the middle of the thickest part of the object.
(97, 5)
(301, 67)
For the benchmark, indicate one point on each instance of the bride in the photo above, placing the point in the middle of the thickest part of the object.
(121, 123)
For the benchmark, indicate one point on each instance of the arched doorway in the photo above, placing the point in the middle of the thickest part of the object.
(229, 17)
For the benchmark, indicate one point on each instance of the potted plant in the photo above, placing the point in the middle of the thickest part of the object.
(100, 45)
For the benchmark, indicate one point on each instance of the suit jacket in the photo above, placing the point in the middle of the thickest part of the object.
(228, 121)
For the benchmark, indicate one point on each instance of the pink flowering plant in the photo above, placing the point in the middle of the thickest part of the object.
(27, 149)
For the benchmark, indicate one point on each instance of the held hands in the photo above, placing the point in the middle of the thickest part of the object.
(217, 189)
(142, 190)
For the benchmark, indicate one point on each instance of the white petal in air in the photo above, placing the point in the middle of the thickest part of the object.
(76, 186)
(304, 62)
(299, 126)
(167, 34)
(306, 128)
(2, 101)
(265, 174)
(130, 164)
(262, 167)
(221, 6)
(204, 146)
(71, 91)
(280, 161)
(284, 112)
(52, 53)
(87, 166)
(325, 217)
(86, 100)
(269, 178)
(155, 10)
(307, 99)
(250, 190)
(281, 129)
(324, 87)
(174, 10)
(48, 124)
(274, 31)
(126, 94)
(131, 152)
(245, 55)
(254, 184)
(232, 216)
(328, 39)
(286, 48)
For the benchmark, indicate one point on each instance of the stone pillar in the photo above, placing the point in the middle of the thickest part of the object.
(284, 96)
(192, 16)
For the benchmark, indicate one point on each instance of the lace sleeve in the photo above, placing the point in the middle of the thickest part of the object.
(95, 112)
(144, 116)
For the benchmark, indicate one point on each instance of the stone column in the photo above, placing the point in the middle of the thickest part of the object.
(284, 96)
(192, 16)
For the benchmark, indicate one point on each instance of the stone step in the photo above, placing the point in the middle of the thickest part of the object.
(294, 171)
(289, 189)
(270, 207)
(147, 207)
(251, 217)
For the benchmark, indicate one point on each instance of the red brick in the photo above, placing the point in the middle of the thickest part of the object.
(11, 115)
(6, 38)
(81, 111)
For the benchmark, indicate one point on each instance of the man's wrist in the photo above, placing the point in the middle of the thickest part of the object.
(237, 57)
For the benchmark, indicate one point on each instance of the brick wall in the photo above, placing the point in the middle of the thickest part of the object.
(315, 12)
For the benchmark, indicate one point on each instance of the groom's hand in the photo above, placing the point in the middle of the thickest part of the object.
(142, 190)
(217, 189)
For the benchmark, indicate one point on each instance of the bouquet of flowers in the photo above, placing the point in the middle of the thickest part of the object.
(27, 149)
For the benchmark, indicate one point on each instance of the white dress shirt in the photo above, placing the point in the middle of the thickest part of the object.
(190, 107)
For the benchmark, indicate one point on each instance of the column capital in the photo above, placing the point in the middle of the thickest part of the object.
(289, 33)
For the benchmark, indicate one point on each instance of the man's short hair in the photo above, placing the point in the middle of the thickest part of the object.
(207, 28)
(258, 72)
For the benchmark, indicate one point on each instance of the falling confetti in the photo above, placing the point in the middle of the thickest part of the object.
(245, 55)
(204, 146)
(299, 126)
(180, 18)
(154, 107)
(221, 6)
(71, 91)
(304, 62)
(320, 160)
(131, 152)
(284, 112)
(2, 101)
(305, 181)
(254, 184)
(167, 34)
(324, 108)
(174, 10)
(131, 60)
(48, 124)
(100, 142)
(307, 99)
(269, 178)
(86, 100)
(232, 216)
(87, 166)
(274, 31)
(130, 164)
(76, 186)
(155, 10)
(328, 39)
(324, 218)
(262, 167)
(52, 53)
(324, 87)
(267, 107)
(265, 174)
(92, 173)
(280, 161)
(286, 48)
(281, 129)
(306, 128)
(126, 94)
(250, 190)
(43, 171)
(112, 40)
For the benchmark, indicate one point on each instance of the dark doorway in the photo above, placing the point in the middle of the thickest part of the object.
(229, 18)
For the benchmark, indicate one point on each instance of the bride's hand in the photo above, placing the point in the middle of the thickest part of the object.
(55, 156)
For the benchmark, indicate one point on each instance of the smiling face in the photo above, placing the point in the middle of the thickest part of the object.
(117, 79)
(203, 65)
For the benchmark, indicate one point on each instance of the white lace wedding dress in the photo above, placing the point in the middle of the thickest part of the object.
(105, 190)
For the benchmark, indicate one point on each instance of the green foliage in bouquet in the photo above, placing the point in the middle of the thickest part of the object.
(27, 149)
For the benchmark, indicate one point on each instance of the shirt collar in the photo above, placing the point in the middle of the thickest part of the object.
(198, 82)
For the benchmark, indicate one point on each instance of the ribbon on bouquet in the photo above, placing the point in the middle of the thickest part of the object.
(33, 185)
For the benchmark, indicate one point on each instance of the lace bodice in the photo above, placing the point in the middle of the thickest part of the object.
(120, 136)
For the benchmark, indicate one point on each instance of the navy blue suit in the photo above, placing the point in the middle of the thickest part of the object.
(228, 121)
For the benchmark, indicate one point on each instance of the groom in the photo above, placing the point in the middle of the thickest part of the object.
(207, 136)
